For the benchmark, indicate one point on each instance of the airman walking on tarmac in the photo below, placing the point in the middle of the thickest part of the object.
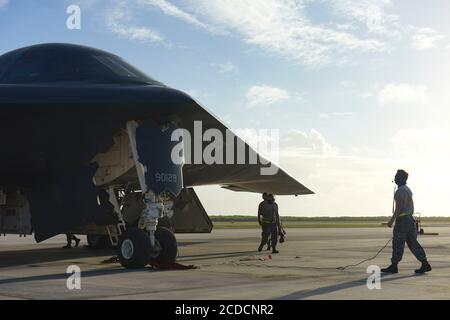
(405, 227)
(269, 220)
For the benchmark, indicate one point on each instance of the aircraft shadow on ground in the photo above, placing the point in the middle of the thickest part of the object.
(13, 258)
(63, 276)
(215, 255)
(304, 294)
(186, 243)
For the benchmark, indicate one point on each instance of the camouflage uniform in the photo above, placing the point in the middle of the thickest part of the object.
(405, 228)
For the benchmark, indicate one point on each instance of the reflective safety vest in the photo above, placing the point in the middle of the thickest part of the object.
(404, 214)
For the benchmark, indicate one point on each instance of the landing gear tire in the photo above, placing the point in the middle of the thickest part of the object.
(98, 241)
(168, 246)
(134, 248)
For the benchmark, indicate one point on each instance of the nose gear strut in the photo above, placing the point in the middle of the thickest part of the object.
(138, 246)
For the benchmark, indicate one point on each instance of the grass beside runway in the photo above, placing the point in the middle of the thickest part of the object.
(249, 222)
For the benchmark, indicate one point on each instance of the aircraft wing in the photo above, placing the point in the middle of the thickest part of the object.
(113, 106)
(237, 177)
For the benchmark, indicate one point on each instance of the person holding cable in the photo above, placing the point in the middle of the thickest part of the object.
(405, 227)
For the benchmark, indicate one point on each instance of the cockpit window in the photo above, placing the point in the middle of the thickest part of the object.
(120, 69)
(53, 65)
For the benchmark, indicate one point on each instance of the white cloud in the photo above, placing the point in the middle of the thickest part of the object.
(369, 14)
(426, 38)
(118, 20)
(297, 143)
(3, 3)
(282, 27)
(264, 95)
(334, 115)
(344, 184)
(143, 34)
(171, 10)
(424, 153)
(419, 141)
(285, 28)
(226, 67)
(403, 94)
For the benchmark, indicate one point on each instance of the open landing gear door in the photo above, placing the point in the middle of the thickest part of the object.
(154, 152)
(189, 215)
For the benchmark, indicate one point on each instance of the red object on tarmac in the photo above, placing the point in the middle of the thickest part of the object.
(171, 266)
(282, 234)
(157, 265)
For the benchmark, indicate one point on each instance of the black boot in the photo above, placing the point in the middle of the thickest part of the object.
(260, 247)
(424, 268)
(391, 269)
(275, 251)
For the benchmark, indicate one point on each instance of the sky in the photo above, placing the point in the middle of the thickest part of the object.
(357, 88)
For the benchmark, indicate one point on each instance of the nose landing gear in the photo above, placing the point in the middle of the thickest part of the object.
(135, 250)
(147, 242)
(168, 244)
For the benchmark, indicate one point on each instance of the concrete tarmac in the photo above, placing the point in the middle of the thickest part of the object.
(229, 267)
